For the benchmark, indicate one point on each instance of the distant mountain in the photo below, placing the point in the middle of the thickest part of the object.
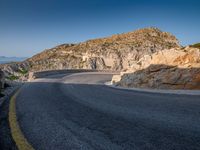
(4, 59)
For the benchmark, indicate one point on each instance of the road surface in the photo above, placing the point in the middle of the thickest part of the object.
(79, 112)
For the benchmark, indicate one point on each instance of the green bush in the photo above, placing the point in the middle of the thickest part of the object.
(197, 45)
(12, 77)
(23, 71)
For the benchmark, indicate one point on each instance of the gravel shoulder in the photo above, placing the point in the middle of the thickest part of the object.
(180, 92)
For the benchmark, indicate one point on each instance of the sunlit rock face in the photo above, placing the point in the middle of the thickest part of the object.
(177, 68)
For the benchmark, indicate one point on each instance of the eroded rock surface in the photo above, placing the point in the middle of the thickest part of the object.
(177, 68)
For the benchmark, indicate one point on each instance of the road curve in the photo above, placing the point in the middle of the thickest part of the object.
(78, 112)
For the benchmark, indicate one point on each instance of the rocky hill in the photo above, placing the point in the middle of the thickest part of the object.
(114, 53)
(117, 52)
(177, 68)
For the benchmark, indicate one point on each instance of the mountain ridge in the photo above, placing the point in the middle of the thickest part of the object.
(148, 40)
(5, 59)
(116, 52)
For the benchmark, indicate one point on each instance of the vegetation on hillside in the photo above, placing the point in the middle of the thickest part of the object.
(23, 71)
(12, 77)
(197, 45)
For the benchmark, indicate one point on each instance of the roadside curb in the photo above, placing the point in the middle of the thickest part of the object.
(18, 137)
(177, 92)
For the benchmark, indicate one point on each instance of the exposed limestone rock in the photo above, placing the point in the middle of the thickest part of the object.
(114, 53)
(16, 71)
(167, 69)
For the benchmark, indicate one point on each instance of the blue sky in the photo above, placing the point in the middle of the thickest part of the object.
(30, 26)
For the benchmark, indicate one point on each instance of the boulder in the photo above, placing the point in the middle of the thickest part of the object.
(168, 69)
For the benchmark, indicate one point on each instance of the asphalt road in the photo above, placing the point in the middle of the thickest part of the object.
(78, 112)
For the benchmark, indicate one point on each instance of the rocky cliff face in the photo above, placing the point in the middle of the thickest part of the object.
(177, 68)
(118, 52)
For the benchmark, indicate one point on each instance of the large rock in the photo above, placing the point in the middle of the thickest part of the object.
(167, 69)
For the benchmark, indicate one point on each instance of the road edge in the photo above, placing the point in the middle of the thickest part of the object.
(158, 91)
(17, 135)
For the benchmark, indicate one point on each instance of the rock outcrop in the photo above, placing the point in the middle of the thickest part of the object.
(16, 71)
(177, 68)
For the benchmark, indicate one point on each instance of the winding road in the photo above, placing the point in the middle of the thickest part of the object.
(78, 112)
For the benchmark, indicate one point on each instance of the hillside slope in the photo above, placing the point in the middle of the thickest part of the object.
(177, 68)
(118, 52)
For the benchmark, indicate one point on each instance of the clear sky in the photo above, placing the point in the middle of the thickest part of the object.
(30, 26)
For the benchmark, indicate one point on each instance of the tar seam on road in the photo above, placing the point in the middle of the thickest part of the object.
(19, 138)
